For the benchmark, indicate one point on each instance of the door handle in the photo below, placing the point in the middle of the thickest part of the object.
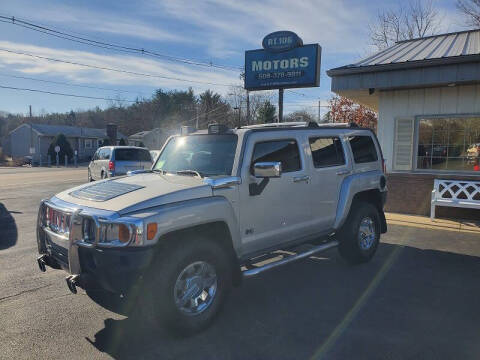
(343, 172)
(301, 178)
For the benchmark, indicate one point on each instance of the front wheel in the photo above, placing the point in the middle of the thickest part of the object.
(360, 235)
(190, 283)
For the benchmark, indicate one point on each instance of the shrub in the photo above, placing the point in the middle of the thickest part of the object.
(65, 148)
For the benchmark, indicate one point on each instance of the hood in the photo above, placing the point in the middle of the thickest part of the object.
(136, 192)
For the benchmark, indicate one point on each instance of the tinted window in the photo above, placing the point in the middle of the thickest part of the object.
(363, 149)
(326, 152)
(285, 151)
(132, 155)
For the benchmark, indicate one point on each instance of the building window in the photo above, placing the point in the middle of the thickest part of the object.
(88, 143)
(449, 144)
(326, 152)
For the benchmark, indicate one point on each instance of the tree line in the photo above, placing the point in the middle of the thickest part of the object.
(167, 109)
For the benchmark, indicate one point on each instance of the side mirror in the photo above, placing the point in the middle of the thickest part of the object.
(271, 169)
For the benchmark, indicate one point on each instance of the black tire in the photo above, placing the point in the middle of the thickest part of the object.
(351, 247)
(168, 266)
(103, 176)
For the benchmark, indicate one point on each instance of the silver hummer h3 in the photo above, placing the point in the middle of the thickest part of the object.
(217, 206)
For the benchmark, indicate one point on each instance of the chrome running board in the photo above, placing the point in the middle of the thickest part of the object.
(289, 258)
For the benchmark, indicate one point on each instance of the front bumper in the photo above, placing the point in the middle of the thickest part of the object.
(117, 270)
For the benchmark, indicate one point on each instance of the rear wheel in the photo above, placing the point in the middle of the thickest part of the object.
(189, 285)
(360, 235)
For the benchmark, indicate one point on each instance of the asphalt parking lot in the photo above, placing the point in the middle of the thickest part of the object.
(418, 299)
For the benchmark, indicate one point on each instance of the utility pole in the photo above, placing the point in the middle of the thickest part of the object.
(31, 130)
(239, 115)
(319, 119)
(280, 105)
(196, 115)
(248, 107)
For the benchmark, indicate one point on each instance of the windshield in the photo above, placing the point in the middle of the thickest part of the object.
(208, 155)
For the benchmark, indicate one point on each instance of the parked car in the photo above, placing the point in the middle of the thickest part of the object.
(217, 204)
(110, 161)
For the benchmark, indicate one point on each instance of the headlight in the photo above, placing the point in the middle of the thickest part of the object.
(114, 233)
(111, 232)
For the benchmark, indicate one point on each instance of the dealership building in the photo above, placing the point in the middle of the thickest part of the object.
(426, 92)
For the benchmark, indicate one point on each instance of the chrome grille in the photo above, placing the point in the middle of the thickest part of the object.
(57, 221)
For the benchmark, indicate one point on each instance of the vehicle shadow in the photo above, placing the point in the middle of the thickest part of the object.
(406, 303)
(8, 228)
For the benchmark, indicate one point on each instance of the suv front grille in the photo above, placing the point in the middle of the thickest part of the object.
(57, 221)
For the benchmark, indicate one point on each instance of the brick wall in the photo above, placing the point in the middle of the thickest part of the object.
(411, 194)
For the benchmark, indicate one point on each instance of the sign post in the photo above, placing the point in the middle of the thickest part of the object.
(284, 62)
(280, 105)
(57, 150)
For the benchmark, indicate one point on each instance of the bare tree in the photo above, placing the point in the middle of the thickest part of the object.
(416, 19)
(470, 8)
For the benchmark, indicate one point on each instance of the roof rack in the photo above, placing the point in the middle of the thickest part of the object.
(309, 124)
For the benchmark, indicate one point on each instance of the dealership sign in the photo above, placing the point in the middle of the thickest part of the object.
(284, 62)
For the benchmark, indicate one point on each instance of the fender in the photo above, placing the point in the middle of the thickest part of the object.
(190, 213)
(351, 185)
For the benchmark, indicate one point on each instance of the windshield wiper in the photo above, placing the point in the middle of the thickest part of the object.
(186, 172)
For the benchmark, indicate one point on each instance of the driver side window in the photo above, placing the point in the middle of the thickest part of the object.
(284, 151)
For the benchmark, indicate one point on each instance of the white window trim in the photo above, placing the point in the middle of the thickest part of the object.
(415, 145)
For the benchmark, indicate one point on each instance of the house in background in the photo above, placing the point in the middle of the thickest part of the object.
(151, 139)
(427, 95)
(18, 142)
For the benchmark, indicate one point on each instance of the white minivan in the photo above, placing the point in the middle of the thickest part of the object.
(110, 161)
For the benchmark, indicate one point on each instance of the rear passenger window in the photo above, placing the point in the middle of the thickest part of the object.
(132, 155)
(363, 149)
(327, 151)
(285, 151)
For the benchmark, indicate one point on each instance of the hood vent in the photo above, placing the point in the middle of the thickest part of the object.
(104, 191)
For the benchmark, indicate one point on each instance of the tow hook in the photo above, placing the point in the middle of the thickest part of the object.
(42, 263)
(72, 281)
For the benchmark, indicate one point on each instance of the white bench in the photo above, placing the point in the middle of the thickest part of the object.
(455, 193)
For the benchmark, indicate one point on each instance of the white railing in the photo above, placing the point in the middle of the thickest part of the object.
(455, 193)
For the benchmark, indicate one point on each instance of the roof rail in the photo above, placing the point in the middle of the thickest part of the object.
(309, 124)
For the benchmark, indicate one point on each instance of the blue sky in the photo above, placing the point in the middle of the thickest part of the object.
(217, 31)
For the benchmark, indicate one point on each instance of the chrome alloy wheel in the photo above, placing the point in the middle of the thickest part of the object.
(195, 288)
(366, 233)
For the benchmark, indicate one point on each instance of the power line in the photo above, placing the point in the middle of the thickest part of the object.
(111, 69)
(296, 92)
(106, 45)
(64, 94)
(70, 84)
